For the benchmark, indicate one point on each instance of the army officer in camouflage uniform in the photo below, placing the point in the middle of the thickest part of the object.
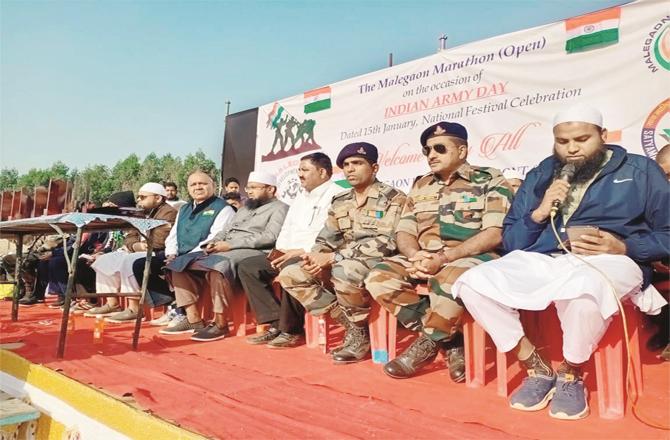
(358, 233)
(452, 221)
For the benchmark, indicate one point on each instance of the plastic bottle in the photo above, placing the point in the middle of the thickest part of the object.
(322, 334)
(70, 321)
(99, 329)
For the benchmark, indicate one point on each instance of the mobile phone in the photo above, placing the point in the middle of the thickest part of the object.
(274, 254)
(575, 232)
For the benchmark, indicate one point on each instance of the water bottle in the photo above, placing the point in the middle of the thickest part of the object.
(322, 334)
(70, 321)
(99, 329)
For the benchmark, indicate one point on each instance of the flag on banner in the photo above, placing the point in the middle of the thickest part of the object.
(317, 100)
(275, 115)
(592, 30)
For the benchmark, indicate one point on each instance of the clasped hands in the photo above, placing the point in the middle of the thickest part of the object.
(425, 264)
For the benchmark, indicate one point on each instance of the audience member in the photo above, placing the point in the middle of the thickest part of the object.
(359, 232)
(452, 221)
(620, 202)
(304, 220)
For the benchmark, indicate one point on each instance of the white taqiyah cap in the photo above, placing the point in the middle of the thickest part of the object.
(511, 173)
(261, 177)
(579, 113)
(154, 188)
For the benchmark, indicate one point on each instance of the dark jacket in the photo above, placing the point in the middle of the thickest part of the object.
(630, 197)
(163, 212)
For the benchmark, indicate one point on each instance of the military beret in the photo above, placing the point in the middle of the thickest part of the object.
(444, 128)
(362, 149)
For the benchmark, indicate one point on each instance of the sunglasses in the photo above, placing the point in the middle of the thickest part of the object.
(439, 148)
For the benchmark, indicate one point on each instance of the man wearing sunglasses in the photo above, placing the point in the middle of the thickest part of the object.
(358, 233)
(114, 270)
(452, 221)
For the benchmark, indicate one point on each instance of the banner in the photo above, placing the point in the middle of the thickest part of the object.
(504, 90)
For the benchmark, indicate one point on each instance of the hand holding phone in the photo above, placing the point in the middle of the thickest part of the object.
(590, 240)
(575, 232)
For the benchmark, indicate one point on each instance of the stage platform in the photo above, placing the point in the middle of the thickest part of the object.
(229, 389)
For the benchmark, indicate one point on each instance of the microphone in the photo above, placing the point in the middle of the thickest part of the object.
(566, 174)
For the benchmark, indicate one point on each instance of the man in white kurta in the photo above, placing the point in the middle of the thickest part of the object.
(626, 197)
(304, 220)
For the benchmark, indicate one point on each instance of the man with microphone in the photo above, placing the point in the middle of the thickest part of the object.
(613, 207)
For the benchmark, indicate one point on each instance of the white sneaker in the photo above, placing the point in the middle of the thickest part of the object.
(164, 319)
(176, 320)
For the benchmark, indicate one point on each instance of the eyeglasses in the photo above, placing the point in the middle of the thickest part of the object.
(439, 148)
(141, 197)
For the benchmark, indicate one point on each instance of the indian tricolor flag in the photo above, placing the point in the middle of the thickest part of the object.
(317, 100)
(275, 115)
(593, 30)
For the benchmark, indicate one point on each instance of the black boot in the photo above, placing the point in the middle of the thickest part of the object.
(356, 344)
(421, 353)
(454, 356)
(337, 314)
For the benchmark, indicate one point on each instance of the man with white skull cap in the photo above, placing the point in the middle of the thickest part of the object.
(114, 271)
(253, 230)
(620, 202)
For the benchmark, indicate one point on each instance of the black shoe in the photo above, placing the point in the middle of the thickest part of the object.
(263, 338)
(455, 357)
(357, 347)
(210, 333)
(656, 343)
(421, 353)
(27, 301)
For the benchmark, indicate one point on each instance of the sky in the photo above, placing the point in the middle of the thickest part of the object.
(89, 82)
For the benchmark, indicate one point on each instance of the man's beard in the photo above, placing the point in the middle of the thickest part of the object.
(254, 203)
(586, 169)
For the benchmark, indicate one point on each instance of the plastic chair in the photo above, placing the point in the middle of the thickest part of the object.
(609, 358)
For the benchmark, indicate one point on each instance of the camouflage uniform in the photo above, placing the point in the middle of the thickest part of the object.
(363, 236)
(440, 215)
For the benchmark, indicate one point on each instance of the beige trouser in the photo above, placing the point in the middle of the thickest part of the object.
(197, 279)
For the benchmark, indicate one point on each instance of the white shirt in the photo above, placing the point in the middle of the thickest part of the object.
(306, 217)
(176, 204)
(220, 221)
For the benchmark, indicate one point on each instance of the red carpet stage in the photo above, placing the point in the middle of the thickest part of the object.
(229, 389)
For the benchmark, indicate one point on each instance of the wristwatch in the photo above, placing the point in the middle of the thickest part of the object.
(337, 257)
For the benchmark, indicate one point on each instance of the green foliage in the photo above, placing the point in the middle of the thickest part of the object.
(97, 182)
(8, 178)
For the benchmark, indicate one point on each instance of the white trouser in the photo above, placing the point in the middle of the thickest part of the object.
(114, 272)
(582, 324)
(583, 298)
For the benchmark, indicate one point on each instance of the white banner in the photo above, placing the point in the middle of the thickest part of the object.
(504, 90)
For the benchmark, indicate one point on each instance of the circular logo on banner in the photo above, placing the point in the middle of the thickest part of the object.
(656, 129)
(662, 48)
(656, 47)
(288, 184)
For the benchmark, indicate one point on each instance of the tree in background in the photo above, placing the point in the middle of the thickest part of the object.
(97, 182)
(197, 162)
(8, 178)
(93, 183)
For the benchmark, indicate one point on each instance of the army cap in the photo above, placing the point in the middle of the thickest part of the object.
(362, 149)
(444, 128)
